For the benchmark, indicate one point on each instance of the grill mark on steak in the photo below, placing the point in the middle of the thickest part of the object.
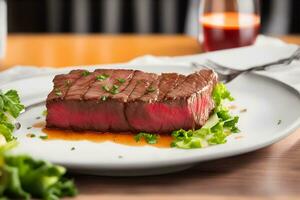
(126, 75)
(168, 82)
(178, 102)
(192, 83)
(142, 82)
(78, 90)
(62, 83)
(96, 91)
(152, 92)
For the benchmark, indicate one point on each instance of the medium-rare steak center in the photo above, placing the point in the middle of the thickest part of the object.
(117, 100)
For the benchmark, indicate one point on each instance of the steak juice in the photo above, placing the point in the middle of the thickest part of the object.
(229, 30)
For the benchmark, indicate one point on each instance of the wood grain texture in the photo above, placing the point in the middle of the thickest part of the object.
(269, 173)
(69, 50)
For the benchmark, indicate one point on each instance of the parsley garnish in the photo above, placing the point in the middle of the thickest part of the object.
(67, 83)
(31, 135)
(105, 88)
(151, 89)
(149, 137)
(121, 80)
(73, 148)
(114, 89)
(279, 122)
(44, 137)
(102, 77)
(57, 92)
(85, 73)
(103, 98)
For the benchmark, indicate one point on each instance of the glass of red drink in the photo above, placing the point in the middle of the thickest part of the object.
(228, 23)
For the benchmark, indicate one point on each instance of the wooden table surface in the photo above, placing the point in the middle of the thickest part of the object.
(269, 173)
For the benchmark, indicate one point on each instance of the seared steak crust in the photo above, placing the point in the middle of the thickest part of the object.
(119, 100)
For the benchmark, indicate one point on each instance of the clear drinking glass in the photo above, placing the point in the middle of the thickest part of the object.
(228, 23)
(3, 28)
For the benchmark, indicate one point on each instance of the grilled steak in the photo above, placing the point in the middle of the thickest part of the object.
(119, 100)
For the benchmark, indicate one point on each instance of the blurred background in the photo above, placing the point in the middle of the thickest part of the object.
(134, 16)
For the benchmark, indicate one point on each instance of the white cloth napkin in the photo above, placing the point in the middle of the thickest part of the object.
(265, 50)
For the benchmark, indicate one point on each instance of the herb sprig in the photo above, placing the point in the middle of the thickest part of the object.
(149, 138)
(85, 73)
(102, 77)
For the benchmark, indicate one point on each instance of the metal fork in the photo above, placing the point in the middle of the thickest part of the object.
(226, 75)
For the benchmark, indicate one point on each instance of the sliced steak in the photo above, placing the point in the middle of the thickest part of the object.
(109, 100)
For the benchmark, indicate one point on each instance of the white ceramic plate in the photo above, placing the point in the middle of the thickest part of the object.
(267, 101)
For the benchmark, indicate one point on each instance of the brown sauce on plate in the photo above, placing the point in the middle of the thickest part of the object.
(164, 141)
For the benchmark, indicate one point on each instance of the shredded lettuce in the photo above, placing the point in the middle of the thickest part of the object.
(220, 124)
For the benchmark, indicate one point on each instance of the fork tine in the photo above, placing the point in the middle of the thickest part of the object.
(221, 69)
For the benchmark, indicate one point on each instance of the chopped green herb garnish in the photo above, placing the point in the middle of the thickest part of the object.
(44, 137)
(85, 73)
(31, 135)
(151, 89)
(57, 92)
(67, 83)
(217, 128)
(45, 113)
(102, 77)
(38, 118)
(105, 88)
(149, 137)
(114, 89)
(29, 127)
(73, 148)
(279, 122)
(103, 98)
(121, 80)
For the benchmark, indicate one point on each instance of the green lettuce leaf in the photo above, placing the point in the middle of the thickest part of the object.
(10, 109)
(23, 177)
(220, 124)
(11, 103)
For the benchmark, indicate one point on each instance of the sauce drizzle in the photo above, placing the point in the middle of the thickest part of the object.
(164, 141)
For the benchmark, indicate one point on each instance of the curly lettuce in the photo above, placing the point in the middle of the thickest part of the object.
(22, 177)
(220, 124)
(10, 109)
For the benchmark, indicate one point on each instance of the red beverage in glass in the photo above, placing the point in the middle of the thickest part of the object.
(229, 30)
